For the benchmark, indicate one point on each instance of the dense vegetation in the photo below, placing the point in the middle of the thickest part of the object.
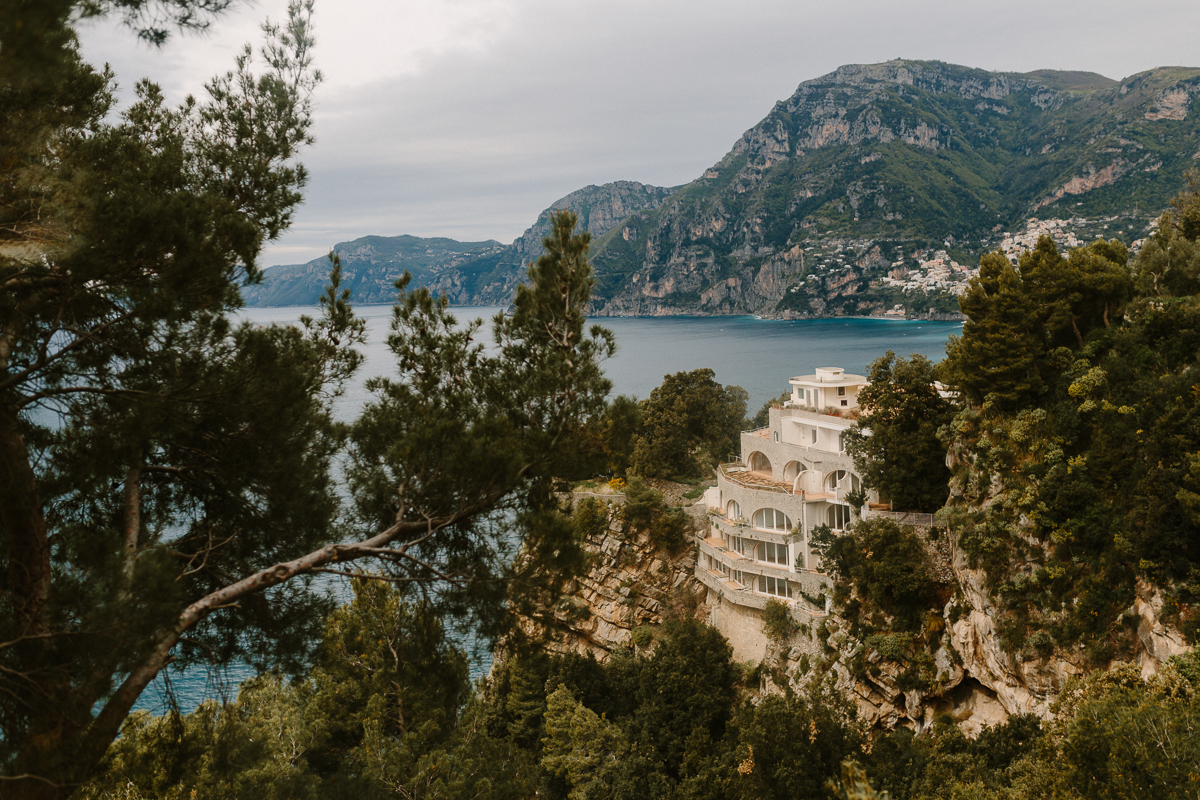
(171, 481)
(386, 711)
(688, 424)
(1075, 455)
(170, 491)
(895, 442)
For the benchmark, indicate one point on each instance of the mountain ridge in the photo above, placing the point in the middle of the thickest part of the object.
(867, 186)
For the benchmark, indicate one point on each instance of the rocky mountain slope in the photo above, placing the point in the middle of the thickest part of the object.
(468, 273)
(865, 173)
(872, 188)
(370, 267)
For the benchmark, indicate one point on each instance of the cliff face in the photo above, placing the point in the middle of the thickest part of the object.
(978, 682)
(895, 159)
(493, 278)
(631, 583)
(958, 666)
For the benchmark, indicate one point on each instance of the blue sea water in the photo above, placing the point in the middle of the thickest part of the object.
(758, 355)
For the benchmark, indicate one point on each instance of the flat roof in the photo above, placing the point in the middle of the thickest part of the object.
(823, 380)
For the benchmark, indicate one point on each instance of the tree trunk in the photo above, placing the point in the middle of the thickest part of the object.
(22, 528)
(24, 545)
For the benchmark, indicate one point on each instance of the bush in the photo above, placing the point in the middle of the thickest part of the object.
(778, 623)
(671, 530)
(591, 518)
(887, 566)
(644, 512)
(642, 636)
(641, 503)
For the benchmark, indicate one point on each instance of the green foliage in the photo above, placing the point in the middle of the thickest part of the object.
(901, 457)
(622, 420)
(385, 712)
(996, 357)
(641, 636)
(689, 423)
(778, 623)
(644, 512)
(886, 565)
(580, 747)
(762, 418)
(591, 518)
(853, 784)
(1079, 461)
(797, 742)
(170, 487)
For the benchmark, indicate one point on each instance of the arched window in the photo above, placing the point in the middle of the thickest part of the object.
(759, 463)
(771, 519)
(733, 510)
(842, 481)
(792, 470)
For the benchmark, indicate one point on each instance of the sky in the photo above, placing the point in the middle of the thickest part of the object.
(466, 118)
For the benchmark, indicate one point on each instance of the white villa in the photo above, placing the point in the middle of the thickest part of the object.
(793, 476)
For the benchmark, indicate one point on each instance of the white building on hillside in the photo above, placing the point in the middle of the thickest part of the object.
(793, 476)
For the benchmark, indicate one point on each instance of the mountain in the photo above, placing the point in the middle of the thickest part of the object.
(370, 267)
(477, 273)
(863, 175)
(873, 188)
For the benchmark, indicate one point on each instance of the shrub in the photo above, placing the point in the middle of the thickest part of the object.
(641, 503)
(778, 623)
(591, 518)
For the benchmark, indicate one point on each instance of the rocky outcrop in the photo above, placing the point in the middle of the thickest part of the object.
(957, 666)
(963, 669)
(630, 584)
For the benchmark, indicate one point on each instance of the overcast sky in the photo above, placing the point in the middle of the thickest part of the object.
(466, 118)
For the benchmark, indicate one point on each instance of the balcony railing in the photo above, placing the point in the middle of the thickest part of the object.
(747, 596)
(734, 472)
(904, 517)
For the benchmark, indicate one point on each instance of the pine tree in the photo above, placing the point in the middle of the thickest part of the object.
(895, 442)
(1001, 343)
(167, 482)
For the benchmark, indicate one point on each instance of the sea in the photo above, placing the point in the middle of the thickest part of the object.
(760, 355)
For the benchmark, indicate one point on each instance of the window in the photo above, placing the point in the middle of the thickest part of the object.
(737, 544)
(773, 553)
(771, 519)
(842, 481)
(733, 510)
(846, 403)
(808, 397)
(842, 392)
(775, 586)
(775, 434)
(814, 435)
(841, 442)
(839, 517)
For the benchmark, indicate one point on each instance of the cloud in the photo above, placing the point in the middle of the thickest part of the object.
(466, 118)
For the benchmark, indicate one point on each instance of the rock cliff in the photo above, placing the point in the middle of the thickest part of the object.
(958, 666)
(631, 583)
